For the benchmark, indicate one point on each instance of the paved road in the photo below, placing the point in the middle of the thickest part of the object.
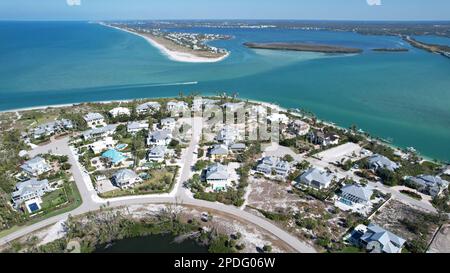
(178, 196)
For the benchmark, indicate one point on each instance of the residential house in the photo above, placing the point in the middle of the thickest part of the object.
(217, 176)
(105, 131)
(378, 240)
(94, 119)
(269, 165)
(351, 194)
(177, 106)
(238, 147)
(298, 127)
(320, 138)
(126, 178)
(199, 103)
(168, 124)
(381, 162)
(51, 128)
(36, 166)
(428, 184)
(157, 153)
(233, 107)
(148, 107)
(120, 111)
(114, 157)
(315, 178)
(278, 118)
(29, 190)
(134, 127)
(227, 135)
(159, 138)
(219, 150)
(101, 145)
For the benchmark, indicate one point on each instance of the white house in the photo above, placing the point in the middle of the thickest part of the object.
(177, 106)
(298, 127)
(101, 145)
(36, 166)
(233, 107)
(227, 135)
(148, 107)
(219, 150)
(157, 153)
(270, 164)
(351, 194)
(278, 118)
(378, 240)
(136, 126)
(29, 190)
(315, 178)
(119, 111)
(159, 138)
(381, 162)
(108, 130)
(126, 178)
(94, 119)
(168, 124)
(217, 176)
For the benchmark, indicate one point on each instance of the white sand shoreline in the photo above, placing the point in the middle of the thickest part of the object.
(173, 55)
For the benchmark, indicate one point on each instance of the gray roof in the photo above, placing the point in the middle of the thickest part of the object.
(135, 125)
(219, 150)
(357, 191)
(378, 161)
(35, 164)
(316, 175)
(160, 135)
(217, 171)
(238, 146)
(430, 181)
(124, 176)
(158, 151)
(92, 116)
(99, 131)
(30, 186)
(148, 106)
(390, 243)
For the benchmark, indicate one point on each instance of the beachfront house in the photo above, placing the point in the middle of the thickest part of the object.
(157, 153)
(273, 165)
(168, 124)
(177, 106)
(36, 166)
(148, 107)
(428, 184)
(126, 178)
(314, 178)
(298, 127)
(233, 107)
(101, 145)
(217, 176)
(159, 138)
(29, 190)
(50, 128)
(278, 118)
(94, 119)
(199, 103)
(355, 194)
(377, 162)
(101, 132)
(322, 139)
(134, 127)
(119, 111)
(227, 135)
(378, 240)
(114, 157)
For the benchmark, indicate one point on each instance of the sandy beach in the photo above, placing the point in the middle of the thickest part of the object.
(177, 56)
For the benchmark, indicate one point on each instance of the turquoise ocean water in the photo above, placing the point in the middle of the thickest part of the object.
(400, 96)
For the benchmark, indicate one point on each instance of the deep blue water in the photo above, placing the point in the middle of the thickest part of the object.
(401, 96)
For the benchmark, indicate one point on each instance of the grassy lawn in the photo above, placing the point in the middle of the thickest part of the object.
(351, 249)
(156, 184)
(73, 196)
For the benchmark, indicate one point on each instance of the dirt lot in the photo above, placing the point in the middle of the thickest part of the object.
(441, 243)
(402, 219)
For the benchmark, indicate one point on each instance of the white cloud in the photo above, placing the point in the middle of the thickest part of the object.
(73, 2)
(374, 2)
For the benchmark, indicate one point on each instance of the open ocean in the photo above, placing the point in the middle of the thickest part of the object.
(404, 97)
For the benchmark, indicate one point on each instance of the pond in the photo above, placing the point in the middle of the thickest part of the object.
(152, 244)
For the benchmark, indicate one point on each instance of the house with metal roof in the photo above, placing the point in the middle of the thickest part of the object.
(219, 150)
(227, 135)
(355, 194)
(168, 124)
(36, 166)
(238, 147)
(134, 127)
(159, 138)
(94, 119)
(119, 111)
(269, 164)
(157, 153)
(381, 162)
(428, 184)
(378, 240)
(114, 156)
(217, 176)
(126, 178)
(29, 190)
(148, 107)
(105, 131)
(315, 178)
(177, 106)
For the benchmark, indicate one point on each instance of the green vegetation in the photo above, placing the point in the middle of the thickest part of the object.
(412, 194)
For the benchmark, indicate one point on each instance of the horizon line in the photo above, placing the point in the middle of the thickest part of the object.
(224, 19)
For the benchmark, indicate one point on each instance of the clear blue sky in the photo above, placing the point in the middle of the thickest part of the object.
(225, 9)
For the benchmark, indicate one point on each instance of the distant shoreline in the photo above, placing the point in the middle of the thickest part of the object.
(177, 56)
(304, 47)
